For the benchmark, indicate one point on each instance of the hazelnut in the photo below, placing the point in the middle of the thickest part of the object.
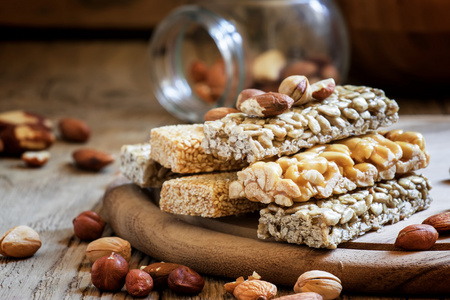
(441, 222)
(266, 105)
(91, 159)
(255, 289)
(107, 245)
(298, 88)
(416, 237)
(138, 283)
(88, 226)
(20, 241)
(320, 282)
(218, 113)
(35, 159)
(108, 273)
(74, 130)
(160, 272)
(185, 280)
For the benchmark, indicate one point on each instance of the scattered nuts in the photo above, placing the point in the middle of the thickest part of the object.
(230, 286)
(218, 113)
(185, 280)
(255, 289)
(107, 245)
(323, 89)
(35, 159)
(268, 65)
(298, 88)
(266, 105)
(302, 296)
(88, 226)
(138, 283)
(320, 282)
(108, 273)
(440, 222)
(74, 130)
(246, 94)
(20, 241)
(416, 237)
(160, 272)
(91, 159)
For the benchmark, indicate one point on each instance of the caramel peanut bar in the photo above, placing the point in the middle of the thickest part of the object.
(350, 110)
(178, 147)
(203, 195)
(137, 166)
(334, 168)
(327, 223)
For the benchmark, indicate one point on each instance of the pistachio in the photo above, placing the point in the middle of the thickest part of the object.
(320, 282)
(20, 241)
(107, 245)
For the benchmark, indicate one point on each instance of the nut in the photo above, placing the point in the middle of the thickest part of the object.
(198, 71)
(160, 272)
(74, 130)
(298, 88)
(108, 273)
(230, 286)
(20, 241)
(320, 282)
(302, 296)
(20, 138)
(35, 159)
(323, 89)
(185, 280)
(266, 105)
(20, 117)
(255, 289)
(416, 237)
(107, 245)
(246, 94)
(268, 66)
(91, 159)
(218, 113)
(138, 283)
(440, 222)
(203, 91)
(88, 226)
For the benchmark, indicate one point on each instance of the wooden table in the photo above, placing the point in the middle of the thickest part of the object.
(106, 84)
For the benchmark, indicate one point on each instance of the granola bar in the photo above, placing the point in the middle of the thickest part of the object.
(334, 168)
(203, 195)
(178, 147)
(350, 110)
(329, 222)
(137, 166)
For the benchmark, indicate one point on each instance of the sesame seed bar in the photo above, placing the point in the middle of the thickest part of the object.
(332, 169)
(329, 222)
(350, 110)
(203, 195)
(178, 147)
(137, 166)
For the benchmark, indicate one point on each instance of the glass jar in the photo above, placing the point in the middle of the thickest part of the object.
(203, 55)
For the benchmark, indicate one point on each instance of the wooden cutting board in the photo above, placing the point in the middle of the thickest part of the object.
(229, 247)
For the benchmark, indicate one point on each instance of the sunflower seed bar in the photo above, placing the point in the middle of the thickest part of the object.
(335, 168)
(203, 195)
(350, 110)
(327, 223)
(137, 166)
(178, 147)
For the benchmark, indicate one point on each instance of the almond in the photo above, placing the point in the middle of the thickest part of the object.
(35, 159)
(441, 222)
(323, 89)
(245, 94)
(74, 130)
(266, 105)
(91, 159)
(218, 113)
(416, 237)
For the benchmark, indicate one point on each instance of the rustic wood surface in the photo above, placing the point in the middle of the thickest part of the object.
(106, 84)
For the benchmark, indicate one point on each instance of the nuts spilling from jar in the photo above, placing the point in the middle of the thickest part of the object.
(20, 241)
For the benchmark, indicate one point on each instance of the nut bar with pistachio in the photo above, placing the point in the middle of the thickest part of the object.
(203, 195)
(327, 223)
(178, 147)
(332, 169)
(349, 110)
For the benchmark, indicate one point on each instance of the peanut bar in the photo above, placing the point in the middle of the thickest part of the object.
(327, 223)
(350, 110)
(334, 168)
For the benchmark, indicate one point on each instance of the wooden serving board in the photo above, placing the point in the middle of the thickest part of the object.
(229, 246)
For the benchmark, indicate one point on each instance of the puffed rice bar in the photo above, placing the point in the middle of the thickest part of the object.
(350, 110)
(137, 166)
(203, 195)
(327, 223)
(334, 168)
(178, 147)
